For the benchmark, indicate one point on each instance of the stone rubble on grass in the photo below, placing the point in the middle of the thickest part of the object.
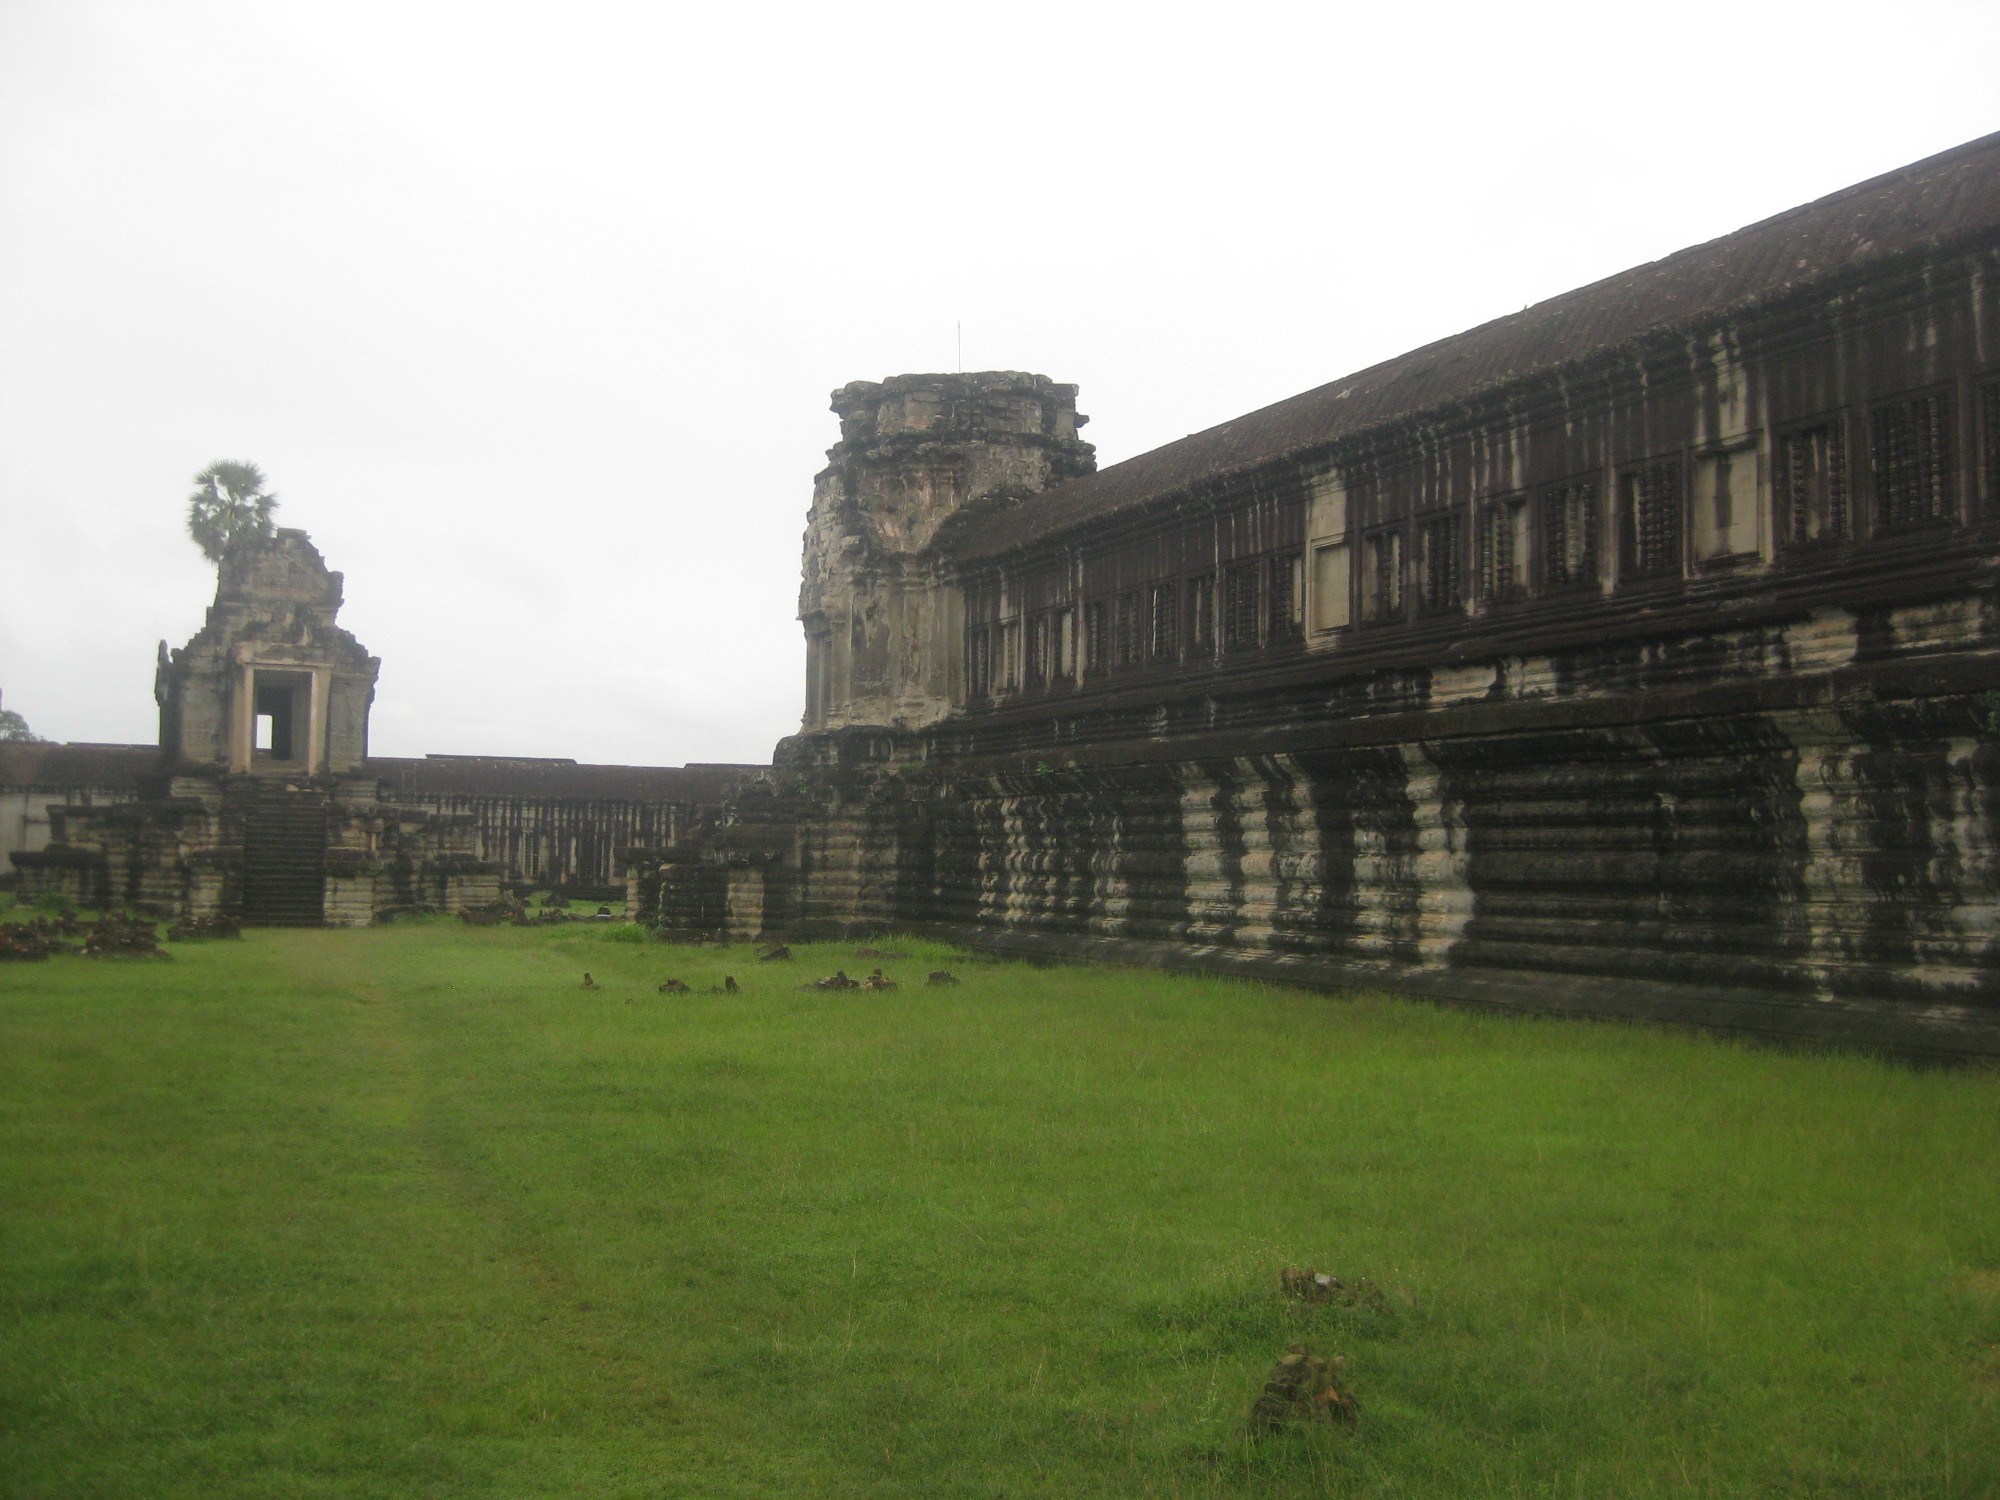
(119, 936)
(1303, 1387)
(941, 976)
(25, 943)
(676, 987)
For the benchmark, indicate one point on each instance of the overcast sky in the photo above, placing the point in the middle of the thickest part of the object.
(530, 313)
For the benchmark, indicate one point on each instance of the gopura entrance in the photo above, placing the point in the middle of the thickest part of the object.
(263, 806)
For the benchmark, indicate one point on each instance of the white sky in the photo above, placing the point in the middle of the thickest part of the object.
(530, 313)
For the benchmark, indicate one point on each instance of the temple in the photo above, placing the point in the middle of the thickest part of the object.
(1636, 654)
(1632, 654)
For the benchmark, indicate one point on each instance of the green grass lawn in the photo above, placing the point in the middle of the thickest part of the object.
(406, 1212)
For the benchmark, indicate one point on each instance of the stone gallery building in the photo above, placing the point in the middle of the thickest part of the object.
(1635, 653)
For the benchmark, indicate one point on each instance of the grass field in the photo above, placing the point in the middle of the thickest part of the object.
(406, 1212)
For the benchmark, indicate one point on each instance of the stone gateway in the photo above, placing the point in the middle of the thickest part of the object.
(260, 804)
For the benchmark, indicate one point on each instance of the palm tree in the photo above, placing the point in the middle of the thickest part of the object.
(229, 507)
(14, 727)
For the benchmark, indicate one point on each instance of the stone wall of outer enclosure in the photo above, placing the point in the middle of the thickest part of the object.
(555, 824)
(37, 775)
(442, 832)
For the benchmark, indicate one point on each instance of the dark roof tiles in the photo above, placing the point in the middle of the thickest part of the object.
(41, 763)
(44, 764)
(499, 776)
(1944, 199)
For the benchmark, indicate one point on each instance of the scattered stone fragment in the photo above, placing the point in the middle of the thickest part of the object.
(1303, 1387)
(878, 981)
(778, 953)
(941, 976)
(1312, 1285)
(588, 982)
(24, 944)
(729, 986)
(479, 916)
(119, 936)
(676, 987)
(837, 980)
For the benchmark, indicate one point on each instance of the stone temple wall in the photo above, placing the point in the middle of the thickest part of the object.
(1636, 654)
(1817, 856)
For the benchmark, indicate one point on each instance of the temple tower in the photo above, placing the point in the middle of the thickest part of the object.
(884, 622)
(270, 685)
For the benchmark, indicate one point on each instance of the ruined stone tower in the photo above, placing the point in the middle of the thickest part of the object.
(271, 685)
(884, 639)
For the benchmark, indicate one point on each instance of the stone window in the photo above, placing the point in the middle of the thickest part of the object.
(1910, 449)
(1038, 650)
(1201, 614)
(1063, 641)
(1810, 481)
(1649, 520)
(1503, 549)
(1128, 628)
(1007, 670)
(1166, 623)
(1382, 575)
(1441, 563)
(1239, 607)
(1096, 638)
(979, 661)
(1569, 534)
(1723, 507)
(1333, 585)
(1287, 595)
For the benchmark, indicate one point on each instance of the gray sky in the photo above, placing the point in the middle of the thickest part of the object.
(530, 313)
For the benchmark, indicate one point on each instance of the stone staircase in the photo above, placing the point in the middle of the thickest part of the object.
(284, 857)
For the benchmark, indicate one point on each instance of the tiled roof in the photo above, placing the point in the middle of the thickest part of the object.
(1945, 200)
(41, 763)
(500, 776)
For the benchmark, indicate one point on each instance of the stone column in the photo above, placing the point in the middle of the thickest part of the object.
(322, 684)
(243, 719)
